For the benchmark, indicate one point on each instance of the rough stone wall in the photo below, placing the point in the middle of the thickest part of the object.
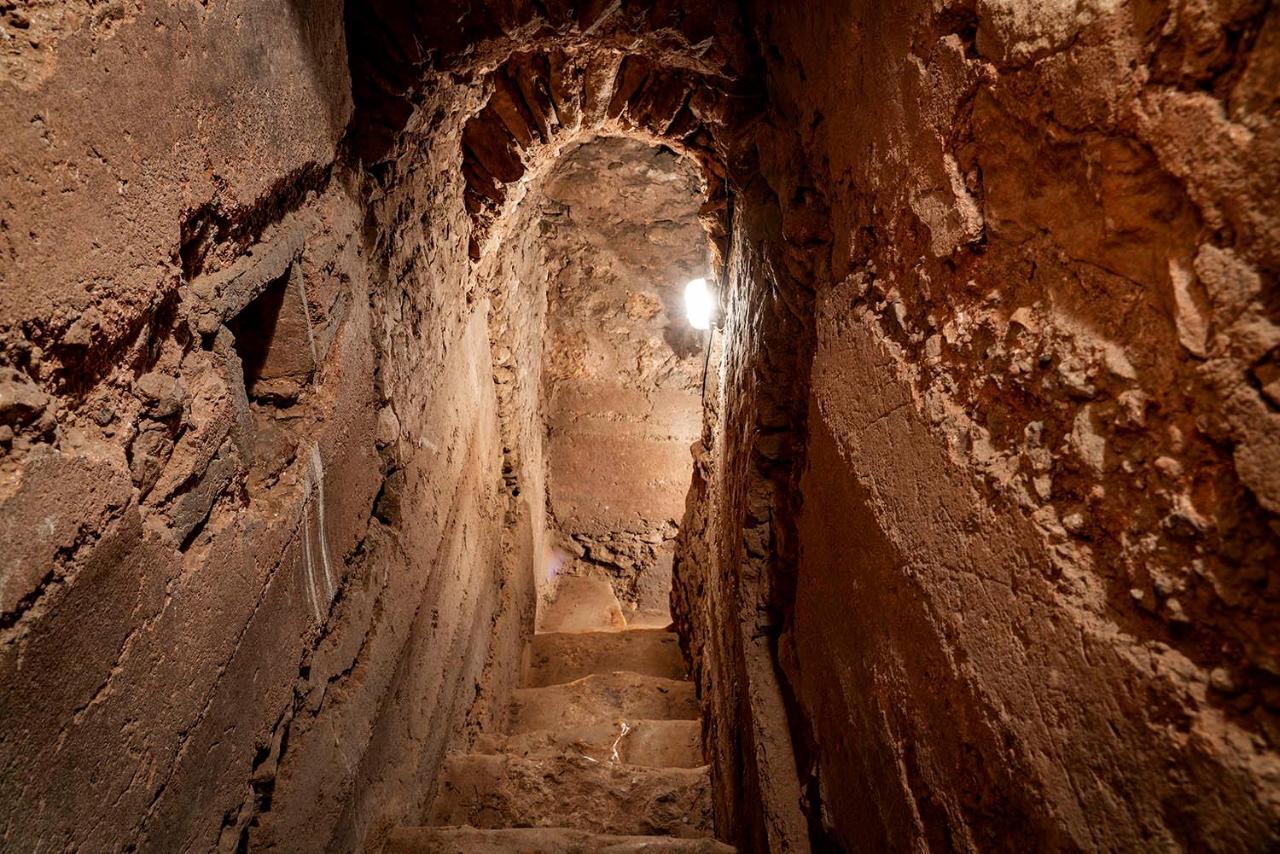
(623, 369)
(1034, 598)
(259, 569)
(516, 277)
(736, 552)
(519, 86)
(445, 631)
(270, 438)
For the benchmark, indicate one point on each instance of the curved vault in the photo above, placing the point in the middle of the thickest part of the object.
(544, 77)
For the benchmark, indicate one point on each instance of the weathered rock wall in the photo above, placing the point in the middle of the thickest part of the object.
(735, 550)
(1034, 595)
(260, 567)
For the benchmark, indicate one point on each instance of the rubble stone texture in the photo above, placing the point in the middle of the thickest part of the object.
(982, 545)
(1021, 584)
(622, 367)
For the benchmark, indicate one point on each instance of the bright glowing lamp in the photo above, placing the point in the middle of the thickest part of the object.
(699, 304)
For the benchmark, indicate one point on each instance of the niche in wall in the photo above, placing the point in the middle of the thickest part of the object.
(274, 342)
(275, 345)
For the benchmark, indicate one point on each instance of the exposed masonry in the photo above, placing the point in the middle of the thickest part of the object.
(536, 97)
(981, 547)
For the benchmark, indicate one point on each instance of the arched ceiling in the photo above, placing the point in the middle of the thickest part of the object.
(552, 72)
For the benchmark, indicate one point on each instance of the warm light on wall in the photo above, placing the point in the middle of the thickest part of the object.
(699, 303)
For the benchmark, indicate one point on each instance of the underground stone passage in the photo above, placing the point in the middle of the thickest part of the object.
(368, 483)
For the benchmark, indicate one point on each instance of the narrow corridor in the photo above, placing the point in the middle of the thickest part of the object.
(639, 425)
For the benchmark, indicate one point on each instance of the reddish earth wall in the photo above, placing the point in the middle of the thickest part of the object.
(246, 597)
(1033, 597)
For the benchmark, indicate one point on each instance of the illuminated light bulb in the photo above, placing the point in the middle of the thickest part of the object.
(699, 304)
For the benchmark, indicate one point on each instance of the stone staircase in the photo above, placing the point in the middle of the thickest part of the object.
(602, 752)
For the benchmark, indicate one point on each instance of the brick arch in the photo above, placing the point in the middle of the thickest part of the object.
(395, 47)
(551, 72)
(540, 102)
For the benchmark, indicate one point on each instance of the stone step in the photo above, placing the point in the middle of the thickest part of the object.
(582, 604)
(561, 657)
(655, 744)
(538, 840)
(647, 619)
(609, 697)
(500, 791)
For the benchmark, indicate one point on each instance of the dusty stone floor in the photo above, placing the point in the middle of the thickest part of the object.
(601, 748)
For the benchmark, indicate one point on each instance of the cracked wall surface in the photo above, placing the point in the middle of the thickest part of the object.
(1033, 598)
(251, 479)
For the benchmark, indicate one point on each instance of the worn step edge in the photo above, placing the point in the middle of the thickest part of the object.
(491, 792)
(617, 696)
(628, 741)
(539, 840)
(582, 604)
(559, 657)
